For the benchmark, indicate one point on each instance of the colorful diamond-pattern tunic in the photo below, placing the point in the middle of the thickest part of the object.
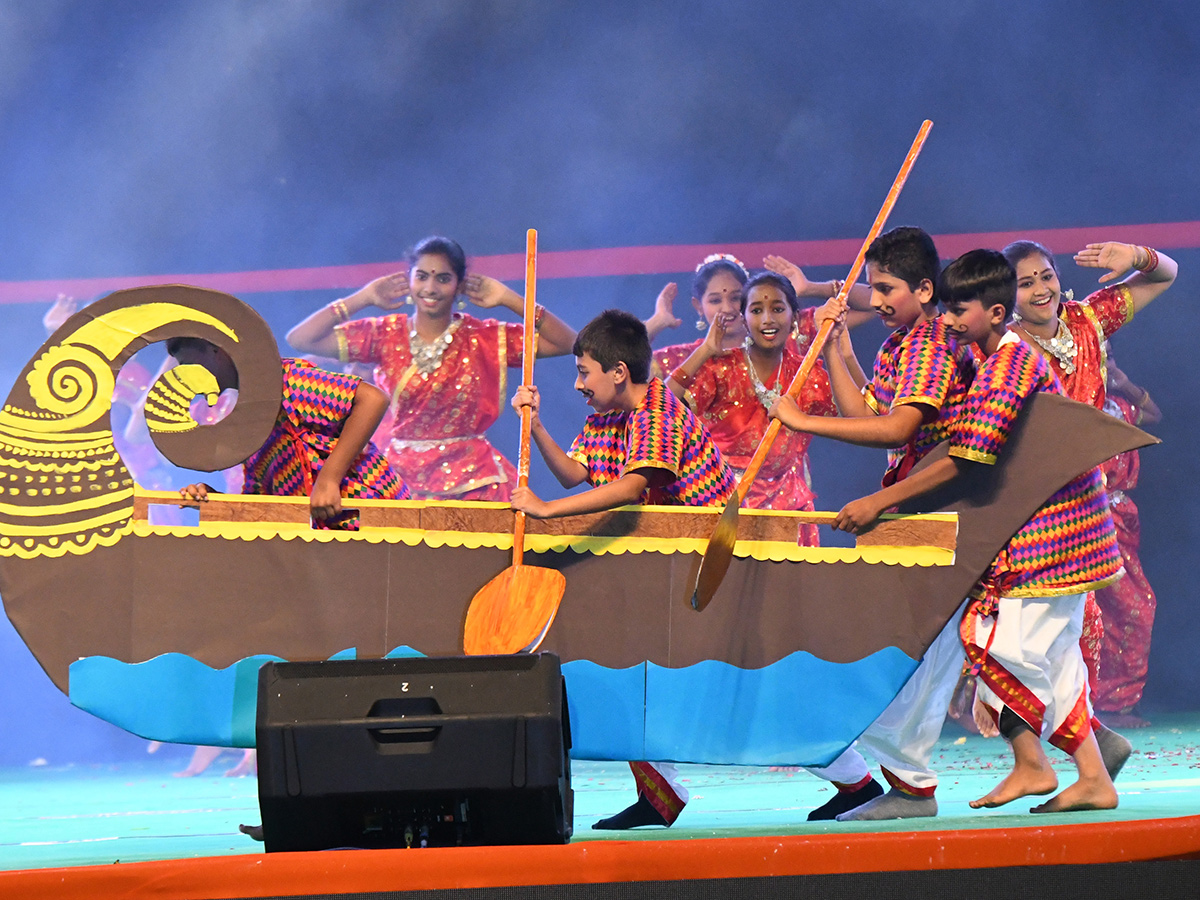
(316, 404)
(923, 365)
(662, 433)
(1069, 545)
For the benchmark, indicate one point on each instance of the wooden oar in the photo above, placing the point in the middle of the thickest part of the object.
(513, 611)
(719, 553)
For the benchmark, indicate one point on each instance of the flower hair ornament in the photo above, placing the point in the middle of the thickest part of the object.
(725, 258)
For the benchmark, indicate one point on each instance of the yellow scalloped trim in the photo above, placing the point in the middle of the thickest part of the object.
(599, 546)
(776, 551)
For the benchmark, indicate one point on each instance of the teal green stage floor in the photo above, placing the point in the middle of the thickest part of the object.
(98, 815)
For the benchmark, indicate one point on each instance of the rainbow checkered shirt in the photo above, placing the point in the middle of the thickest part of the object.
(922, 365)
(316, 404)
(1070, 544)
(662, 433)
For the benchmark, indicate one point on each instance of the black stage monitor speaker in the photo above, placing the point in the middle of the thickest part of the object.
(414, 752)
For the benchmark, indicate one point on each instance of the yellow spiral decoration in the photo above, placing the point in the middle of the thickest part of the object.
(63, 487)
(169, 401)
(71, 381)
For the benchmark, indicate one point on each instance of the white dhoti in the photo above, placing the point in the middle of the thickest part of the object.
(903, 737)
(1029, 660)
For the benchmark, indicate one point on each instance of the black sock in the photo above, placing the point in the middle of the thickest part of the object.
(640, 813)
(844, 801)
(1011, 724)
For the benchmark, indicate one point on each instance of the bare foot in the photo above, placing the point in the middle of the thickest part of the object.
(202, 758)
(1022, 781)
(1094, 793)
(247, 765)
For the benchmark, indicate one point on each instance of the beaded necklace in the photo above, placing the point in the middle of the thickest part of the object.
(427, 355)
(1062, 346)
(766, 396)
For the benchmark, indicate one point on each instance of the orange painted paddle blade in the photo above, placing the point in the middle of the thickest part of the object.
(513, 611)
(718, 555)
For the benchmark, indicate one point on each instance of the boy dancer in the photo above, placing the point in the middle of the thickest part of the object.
(920, 379)
(1022, 627)
(320, 446)
(641, 445)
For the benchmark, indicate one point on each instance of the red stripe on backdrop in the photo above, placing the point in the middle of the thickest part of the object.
(650, 260)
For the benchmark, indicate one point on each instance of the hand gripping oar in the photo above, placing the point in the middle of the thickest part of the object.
(513, 611)
(717, 556)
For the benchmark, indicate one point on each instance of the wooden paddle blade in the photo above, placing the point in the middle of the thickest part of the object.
(718, 555)
(513, 611)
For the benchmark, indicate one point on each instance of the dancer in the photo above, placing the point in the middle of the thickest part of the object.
(640, 445)
(731, 392)
(1127, 606)
(716, 290)
(445, 372)
(320, 446)
(919, 381)
(1070, 335)
(1021, 630)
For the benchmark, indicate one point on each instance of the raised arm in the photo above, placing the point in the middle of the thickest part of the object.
(859, 297)
(894, 429)
(555, 337)
(664, 314)
(1151, 272)
(846, 376)
(315, 334)
(569, 472)
(370, 403)
(681, 379)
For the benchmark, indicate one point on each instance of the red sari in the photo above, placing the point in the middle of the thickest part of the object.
(723, 397)
(1127, 606)
(438, 416)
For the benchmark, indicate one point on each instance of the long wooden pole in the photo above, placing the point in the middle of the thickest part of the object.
(720, 545)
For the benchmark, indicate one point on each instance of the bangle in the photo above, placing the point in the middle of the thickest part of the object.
(1151, 262)
(341, 311)
(1145, 399)
(539, 313)
(682, 378)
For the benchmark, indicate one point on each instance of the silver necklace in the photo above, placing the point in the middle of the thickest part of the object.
(427, 355)
(1062, 346)
(766, 396)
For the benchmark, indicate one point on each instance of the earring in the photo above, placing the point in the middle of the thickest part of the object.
(1069, 294)
(408, 301)
(701, 325)
(462, 304)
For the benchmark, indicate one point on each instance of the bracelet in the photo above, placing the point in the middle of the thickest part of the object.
(539, 313)
(1145, 399)
(340, 310)
(682, 378)
(1151, 260)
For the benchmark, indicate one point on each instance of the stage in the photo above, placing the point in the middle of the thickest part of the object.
(135, 830)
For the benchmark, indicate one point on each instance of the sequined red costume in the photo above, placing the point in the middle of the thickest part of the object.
(441, 409)
(723, 396)
(1127, 606)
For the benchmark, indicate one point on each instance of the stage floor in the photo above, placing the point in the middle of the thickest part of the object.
(98, 815)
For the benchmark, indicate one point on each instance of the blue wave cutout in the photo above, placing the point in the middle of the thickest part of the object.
(800, 710)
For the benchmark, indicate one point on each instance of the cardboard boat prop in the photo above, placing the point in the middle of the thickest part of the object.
(161, 629)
